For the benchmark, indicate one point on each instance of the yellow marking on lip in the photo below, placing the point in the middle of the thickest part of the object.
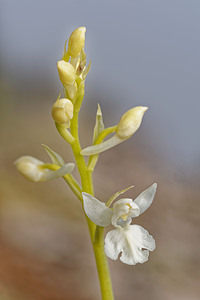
(125, 216)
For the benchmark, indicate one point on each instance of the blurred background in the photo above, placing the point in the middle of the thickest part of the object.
(142, 53)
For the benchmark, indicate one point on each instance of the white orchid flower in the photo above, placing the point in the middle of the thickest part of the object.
(133, 241)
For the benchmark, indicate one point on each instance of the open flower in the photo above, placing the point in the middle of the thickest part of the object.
(133, 241)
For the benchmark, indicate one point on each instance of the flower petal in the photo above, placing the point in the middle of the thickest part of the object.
(145, 199)
(131, 242)
(96, 210)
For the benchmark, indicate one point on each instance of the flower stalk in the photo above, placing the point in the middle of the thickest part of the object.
(87, 186)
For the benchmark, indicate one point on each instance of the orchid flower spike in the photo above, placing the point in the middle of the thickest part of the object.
(128, 125)
(132, 241)
(33, 169)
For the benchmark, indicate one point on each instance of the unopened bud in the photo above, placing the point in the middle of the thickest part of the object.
(33, 169)
(130, 122)
(62, 111)
(128, 125)
(29, 167)
(66, 72)
(76, 41)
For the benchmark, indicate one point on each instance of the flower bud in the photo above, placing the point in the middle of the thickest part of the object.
(33, 169)
(128, 125)
(29, 167)
(130, 122)
(66, 72)
(76, 41)
(62, 111)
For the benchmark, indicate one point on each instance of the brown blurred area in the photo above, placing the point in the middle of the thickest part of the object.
(45, 251)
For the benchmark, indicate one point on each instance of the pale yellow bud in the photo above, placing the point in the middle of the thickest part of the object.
(29, 167)
(33, 169)
(66, 72)
(76, 41)
(62, 111)
(130, 122)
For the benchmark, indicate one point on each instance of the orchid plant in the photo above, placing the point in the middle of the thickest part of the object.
(131, 242)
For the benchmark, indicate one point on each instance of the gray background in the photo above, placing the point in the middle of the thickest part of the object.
(142, 53)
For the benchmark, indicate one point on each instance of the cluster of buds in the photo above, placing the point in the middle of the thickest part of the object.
(72, 71)
(72, 66)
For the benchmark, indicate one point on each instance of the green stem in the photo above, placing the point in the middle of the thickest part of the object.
(74, 186)
(65, 133)
(94, 158)
(102, 265)
(71, 181)
(87, 186)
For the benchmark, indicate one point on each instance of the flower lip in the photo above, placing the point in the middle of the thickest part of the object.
(133, 243)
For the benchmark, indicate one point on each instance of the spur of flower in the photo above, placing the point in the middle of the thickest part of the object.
(132, 241)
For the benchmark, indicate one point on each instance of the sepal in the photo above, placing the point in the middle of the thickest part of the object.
(145, 199)
(96, 210)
